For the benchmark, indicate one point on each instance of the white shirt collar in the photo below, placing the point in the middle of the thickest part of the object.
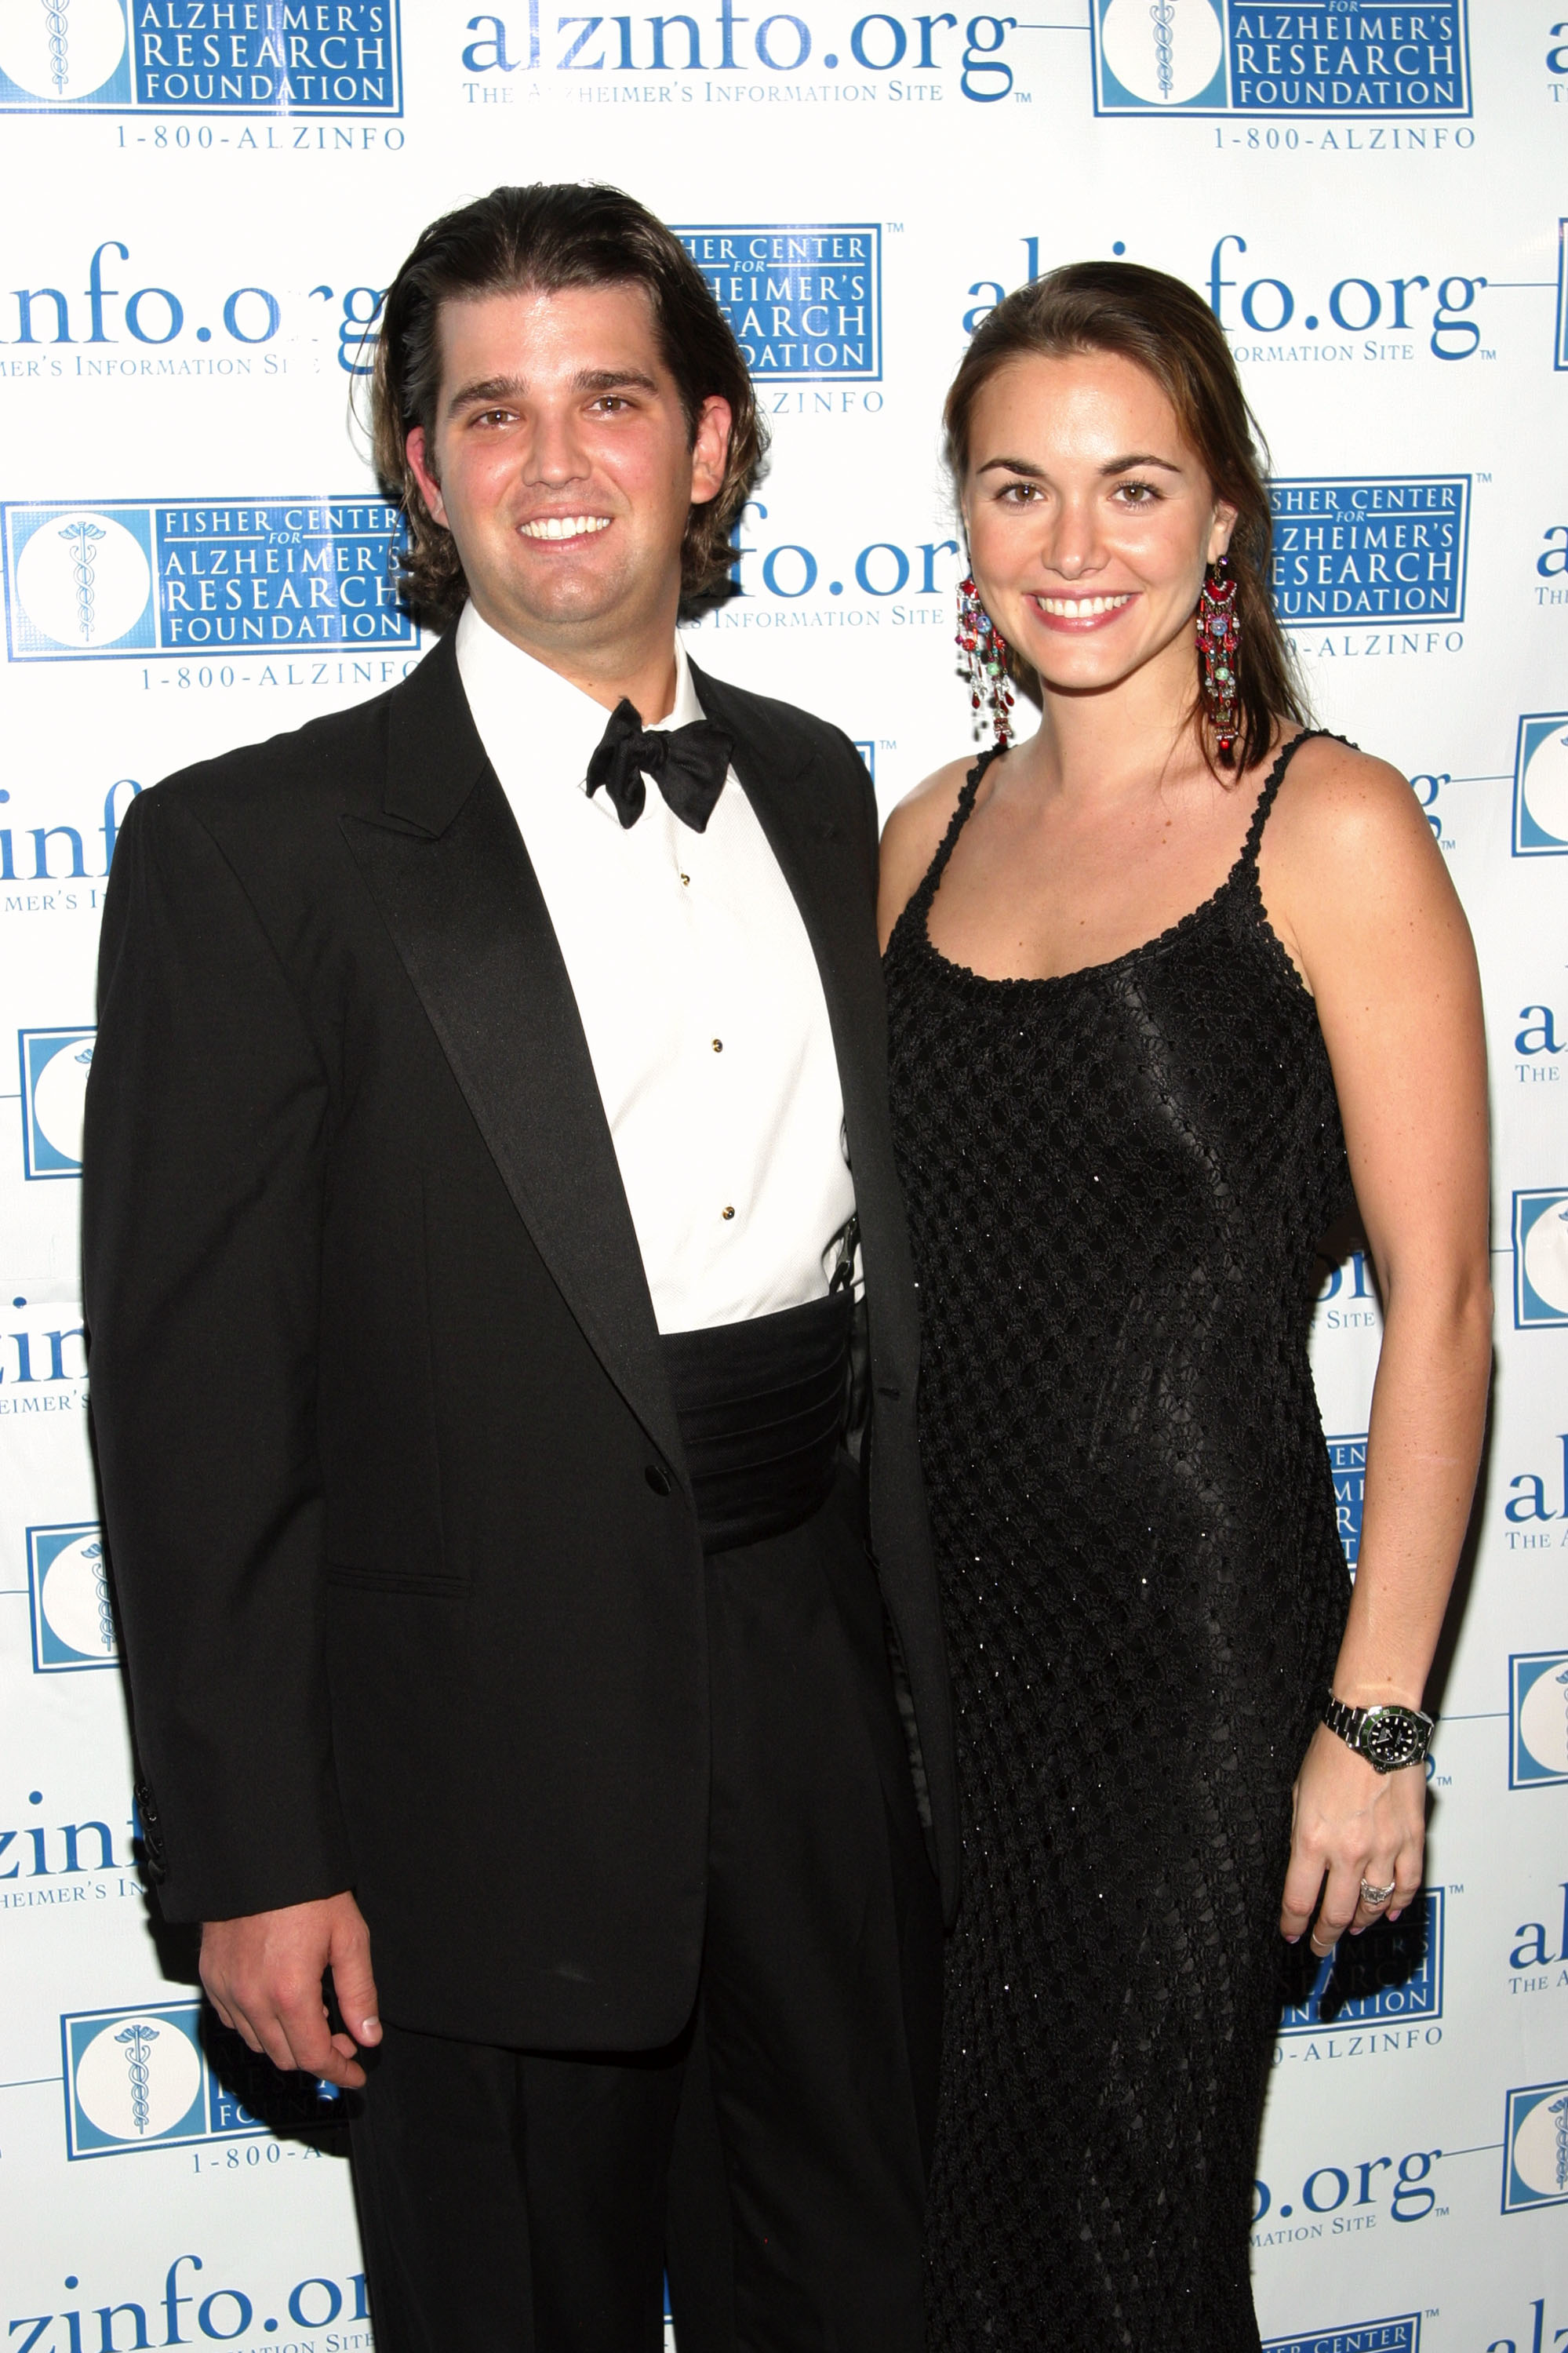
(516, 700)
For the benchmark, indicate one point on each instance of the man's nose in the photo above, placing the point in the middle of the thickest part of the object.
(554, 450)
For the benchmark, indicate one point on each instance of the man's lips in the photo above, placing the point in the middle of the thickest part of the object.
(1081, 613)
(558, 527)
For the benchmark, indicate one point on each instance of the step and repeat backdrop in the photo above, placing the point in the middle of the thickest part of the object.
(201, 202)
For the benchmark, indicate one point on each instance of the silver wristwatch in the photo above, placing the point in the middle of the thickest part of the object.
(1387, 1737)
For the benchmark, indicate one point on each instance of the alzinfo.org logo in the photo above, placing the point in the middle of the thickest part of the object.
(1539, 1259)
(188, 57)
(1368, 547)
(1540, 785)
(1535, 2147)
(804, 302)
(151, 2078)
(1391, 1976)
(1400, 2335)
(1230, 56)
(1537, 1711)
(125, 581)
(55, 1064)
(68, 1593)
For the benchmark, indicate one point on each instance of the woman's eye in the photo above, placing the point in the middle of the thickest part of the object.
(1020, 493)
(1139, 494)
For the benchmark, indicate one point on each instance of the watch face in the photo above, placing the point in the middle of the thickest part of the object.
(1392, 1736)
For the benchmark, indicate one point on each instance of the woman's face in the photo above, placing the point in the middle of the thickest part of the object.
(1090, 521)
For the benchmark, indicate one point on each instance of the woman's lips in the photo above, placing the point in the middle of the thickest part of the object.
(1077, 615)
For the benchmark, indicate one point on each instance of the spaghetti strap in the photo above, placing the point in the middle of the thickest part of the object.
(1272, 783)
(919, 903)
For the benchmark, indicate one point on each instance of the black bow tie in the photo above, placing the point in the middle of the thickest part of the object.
(689, 766)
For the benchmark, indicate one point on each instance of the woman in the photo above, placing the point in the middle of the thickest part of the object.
(1166, 982)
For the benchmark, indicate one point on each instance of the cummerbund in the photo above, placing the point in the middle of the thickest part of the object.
(761, 1407)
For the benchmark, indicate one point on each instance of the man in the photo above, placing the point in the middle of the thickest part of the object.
(489, 1083)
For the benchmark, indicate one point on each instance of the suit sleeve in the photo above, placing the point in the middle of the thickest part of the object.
(203, 1176)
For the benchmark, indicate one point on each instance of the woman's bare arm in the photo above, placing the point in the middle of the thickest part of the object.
(1359, 892)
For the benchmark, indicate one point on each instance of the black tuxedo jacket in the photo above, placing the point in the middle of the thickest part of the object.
(410, 1577)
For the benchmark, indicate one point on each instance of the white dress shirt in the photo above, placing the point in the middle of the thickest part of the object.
(699, 994)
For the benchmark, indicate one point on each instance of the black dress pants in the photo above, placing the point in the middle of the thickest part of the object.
(520, 2201)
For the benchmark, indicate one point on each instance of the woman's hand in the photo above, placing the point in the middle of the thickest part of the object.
(1352, 1823)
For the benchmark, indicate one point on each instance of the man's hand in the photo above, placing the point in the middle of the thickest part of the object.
(263, 1977)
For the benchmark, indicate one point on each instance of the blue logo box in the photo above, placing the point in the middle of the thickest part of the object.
(191, 56)
(144, 2077)
(1539, 1259)
(1540, 785)
(1535, 2147)
(1233, 57)
(1402, 2334)
(124, 581)
(55, 1064)
(1559, 353)
(1347, 1461)
(804, 299)
(1538, 1719)
(68, 1596)
(1391, 1974)
(1370, 547)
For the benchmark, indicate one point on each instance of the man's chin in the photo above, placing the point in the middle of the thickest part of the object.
(571, 602)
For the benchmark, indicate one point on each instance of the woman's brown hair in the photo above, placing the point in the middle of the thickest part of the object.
(1169, 333)
(551, 237)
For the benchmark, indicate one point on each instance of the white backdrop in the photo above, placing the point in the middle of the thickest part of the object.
(201, 199)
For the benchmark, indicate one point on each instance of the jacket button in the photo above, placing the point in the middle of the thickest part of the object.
(657, 1479)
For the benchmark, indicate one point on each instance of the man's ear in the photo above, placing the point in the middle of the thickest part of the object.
(415, 451)
(710, 448)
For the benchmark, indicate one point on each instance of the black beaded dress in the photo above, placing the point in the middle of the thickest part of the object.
(1116, 1180)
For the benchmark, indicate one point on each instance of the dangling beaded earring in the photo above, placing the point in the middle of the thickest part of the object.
(1219, 644)
(984, 651)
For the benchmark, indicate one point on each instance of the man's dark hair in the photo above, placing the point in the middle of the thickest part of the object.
(550, 239)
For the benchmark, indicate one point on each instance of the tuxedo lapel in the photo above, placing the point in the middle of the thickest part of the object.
(448, 872)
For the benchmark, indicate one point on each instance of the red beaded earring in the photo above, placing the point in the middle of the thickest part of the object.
(1219, 644)
(984, 651)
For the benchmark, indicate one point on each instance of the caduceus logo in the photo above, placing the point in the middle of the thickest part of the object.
(136, 2038)
(1164, 17)
(1559, 2109)
(81, 578)
(94, 1553)
(59, 44)
(80, 536)
(1165, 52)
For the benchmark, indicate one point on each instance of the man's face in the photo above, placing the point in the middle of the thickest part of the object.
(562, 464)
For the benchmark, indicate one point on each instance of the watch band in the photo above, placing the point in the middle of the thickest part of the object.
(1388, 1737)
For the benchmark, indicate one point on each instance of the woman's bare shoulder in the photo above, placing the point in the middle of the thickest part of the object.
(912, 837)
(1350, 868)
(1342, 803)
